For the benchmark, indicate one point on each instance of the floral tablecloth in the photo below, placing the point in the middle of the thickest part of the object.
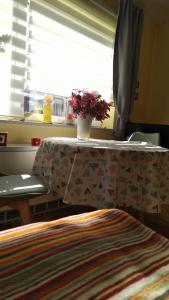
(104, 173)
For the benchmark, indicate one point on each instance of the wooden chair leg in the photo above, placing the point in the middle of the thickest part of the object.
(22, 206)
(24, 209)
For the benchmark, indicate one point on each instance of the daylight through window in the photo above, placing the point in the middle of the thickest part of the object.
(53, 50)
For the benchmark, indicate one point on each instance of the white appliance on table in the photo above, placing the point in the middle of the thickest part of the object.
(17, 158)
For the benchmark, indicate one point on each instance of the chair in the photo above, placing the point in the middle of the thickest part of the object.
(153, 138)
(17, 190)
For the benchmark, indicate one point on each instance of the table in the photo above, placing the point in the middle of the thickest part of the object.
(104, 173)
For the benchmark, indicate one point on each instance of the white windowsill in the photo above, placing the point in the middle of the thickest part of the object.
(54, 124)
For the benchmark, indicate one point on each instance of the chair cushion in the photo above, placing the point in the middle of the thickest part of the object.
(18, 185)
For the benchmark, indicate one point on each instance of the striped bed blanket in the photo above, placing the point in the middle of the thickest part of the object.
(105, 254)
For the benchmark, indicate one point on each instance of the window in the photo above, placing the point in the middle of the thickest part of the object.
(5, 57)
(53, 50)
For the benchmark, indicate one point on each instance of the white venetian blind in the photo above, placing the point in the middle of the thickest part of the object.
(19, 58)
(5, 61)
(14, 14)
(70, 46)
(56, 46)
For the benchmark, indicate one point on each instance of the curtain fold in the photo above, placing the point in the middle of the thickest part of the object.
(125, 64)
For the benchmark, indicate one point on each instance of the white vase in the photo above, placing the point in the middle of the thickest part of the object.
(84, 127)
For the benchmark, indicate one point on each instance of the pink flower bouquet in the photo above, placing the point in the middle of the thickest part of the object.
(84, 103)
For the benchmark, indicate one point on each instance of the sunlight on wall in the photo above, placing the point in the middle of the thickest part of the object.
(23, 133)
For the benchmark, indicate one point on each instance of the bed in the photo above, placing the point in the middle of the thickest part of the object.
(104, 254)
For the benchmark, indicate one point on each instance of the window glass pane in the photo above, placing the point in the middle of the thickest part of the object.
(34, 101)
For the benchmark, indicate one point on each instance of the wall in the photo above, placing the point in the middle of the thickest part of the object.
(152, 105)
(140, 106)
(22, 133)
(158, 106)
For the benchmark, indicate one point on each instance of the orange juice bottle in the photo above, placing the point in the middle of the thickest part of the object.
(47, 109)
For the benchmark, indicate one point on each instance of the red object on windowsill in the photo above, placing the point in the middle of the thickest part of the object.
(36, 141)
